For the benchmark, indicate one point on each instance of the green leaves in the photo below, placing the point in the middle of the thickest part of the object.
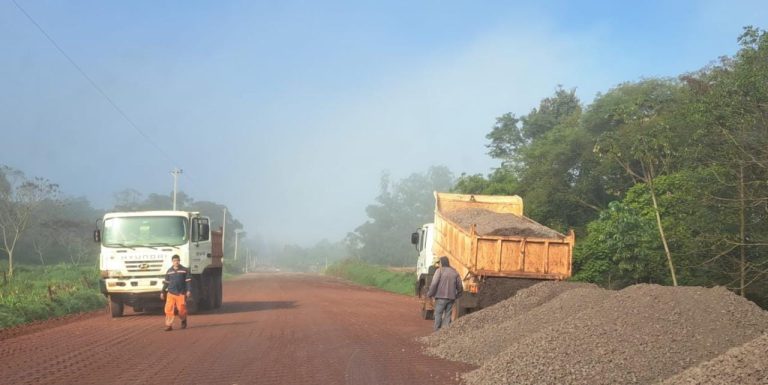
(653, 174)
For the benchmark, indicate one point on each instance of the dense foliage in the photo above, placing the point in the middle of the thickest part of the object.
(664, 180)
(41, 292)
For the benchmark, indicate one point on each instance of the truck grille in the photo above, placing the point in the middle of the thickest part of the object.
(152, 266)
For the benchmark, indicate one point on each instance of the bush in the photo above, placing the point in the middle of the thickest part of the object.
(376, 276)
(39, 292)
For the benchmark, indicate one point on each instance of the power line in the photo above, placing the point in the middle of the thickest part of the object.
(94, 85)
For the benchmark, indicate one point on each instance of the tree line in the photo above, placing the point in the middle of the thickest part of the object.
(39, 225)
(664, 180)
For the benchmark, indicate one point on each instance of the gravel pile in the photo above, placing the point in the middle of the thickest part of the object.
(497, 289)
(640, 335)
(522, 302)
(479, 346)
(743, 365)
(491, 223)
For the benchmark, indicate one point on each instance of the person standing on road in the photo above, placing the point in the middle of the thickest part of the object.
(177, 287)
(445, 288)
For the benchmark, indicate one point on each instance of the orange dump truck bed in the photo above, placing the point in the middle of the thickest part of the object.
(488, 236)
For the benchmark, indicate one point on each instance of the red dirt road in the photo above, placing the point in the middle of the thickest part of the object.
(272, 329)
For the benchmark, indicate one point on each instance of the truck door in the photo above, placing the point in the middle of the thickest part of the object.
(200, 247)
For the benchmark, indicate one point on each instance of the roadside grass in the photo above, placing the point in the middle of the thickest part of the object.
(42, 292)
(370, 275)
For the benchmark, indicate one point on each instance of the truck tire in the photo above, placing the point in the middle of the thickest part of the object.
(116, 307)
(463, 306)
(210, 293)
(192, 305)
(426, 313)
(217, 289)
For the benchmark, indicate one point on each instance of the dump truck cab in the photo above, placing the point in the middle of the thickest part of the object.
(136, 252)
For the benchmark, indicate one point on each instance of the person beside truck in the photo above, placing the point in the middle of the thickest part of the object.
(446, 286)
(177, 287)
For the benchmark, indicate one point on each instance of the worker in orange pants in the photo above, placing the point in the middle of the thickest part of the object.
(177, 287)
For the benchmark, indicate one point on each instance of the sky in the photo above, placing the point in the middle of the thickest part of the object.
(288, 112)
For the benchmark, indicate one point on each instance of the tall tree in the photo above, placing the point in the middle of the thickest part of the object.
(19, 197)
(732, 100)
(400, 208)
(641, 137)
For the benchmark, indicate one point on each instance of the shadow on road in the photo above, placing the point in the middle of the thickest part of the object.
(244, 307)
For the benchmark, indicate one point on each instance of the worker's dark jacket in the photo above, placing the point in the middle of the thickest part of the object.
(445, 284)
(177, 281)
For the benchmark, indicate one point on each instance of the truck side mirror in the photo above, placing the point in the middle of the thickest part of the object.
(415, 238)
(96, 236)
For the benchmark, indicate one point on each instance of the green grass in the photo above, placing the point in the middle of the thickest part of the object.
(376, 276)
(41, 292)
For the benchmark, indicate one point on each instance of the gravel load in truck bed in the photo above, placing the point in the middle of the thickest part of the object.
(490, 223)
(639, 335)
(743, 365)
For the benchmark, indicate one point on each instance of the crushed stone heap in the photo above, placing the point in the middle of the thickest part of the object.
(570, 333)
(743, 365)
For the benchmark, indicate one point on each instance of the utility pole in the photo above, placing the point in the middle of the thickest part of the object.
(237, 233)
(223, 229)
(176, 172)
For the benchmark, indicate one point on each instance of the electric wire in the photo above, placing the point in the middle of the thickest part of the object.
(94, 85)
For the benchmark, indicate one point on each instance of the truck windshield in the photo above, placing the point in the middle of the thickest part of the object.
(145, 231)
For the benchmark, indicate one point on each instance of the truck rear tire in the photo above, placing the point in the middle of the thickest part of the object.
(116, 307)
(217, 289)
(210, 293)
(426, 313)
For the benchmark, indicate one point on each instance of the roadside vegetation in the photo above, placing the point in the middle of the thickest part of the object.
(370, 275)
(662, 179)
(42, 292)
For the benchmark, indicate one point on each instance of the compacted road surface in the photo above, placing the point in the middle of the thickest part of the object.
(272, 329)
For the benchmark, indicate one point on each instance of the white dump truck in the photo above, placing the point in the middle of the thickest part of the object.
(136, 251)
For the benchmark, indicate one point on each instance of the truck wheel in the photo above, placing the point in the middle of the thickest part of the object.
(192, 304)
(426, 313)
(210, 293)
(194, 300)
(116, 307)
(217, 289)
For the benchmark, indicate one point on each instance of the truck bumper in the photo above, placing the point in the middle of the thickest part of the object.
(134, 285)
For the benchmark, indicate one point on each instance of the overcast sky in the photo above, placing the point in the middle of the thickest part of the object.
(288, 112)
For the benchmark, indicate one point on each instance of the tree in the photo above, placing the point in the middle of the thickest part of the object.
(19, 197)
(401, 207)
(547, 159)
(641, 137)
(731, 101)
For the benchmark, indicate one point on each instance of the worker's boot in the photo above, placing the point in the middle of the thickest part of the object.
(184, 324)
(168, 328)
